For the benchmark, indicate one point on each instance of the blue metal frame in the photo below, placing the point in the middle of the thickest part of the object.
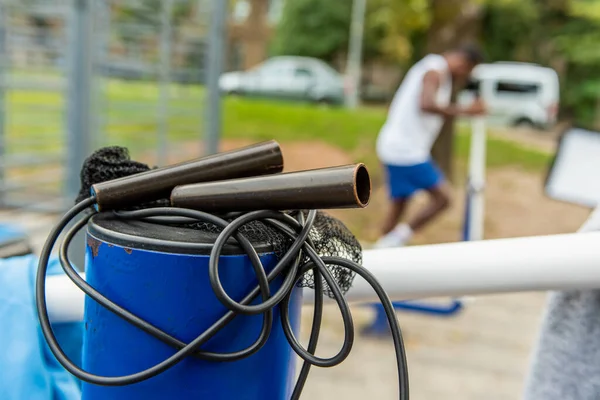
(454, 307)
(467, 217)
(380, 325)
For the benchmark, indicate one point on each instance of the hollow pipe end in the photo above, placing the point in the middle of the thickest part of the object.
(362, 185)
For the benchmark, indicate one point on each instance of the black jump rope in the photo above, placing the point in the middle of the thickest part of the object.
(298, 261)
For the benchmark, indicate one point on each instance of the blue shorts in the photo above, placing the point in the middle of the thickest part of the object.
(405, 180)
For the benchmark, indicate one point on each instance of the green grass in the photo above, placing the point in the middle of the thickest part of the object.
(130, 119)
(502, 153)
(354, 131)
(260, 119)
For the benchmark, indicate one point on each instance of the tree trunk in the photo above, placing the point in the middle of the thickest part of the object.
(257, 32)
(443, 149)
(453, 22)
(253, 34)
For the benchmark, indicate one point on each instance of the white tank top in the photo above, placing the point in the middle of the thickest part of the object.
(409, 133)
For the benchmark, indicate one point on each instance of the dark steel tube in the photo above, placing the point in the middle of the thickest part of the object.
(338, 187)
(259, 159)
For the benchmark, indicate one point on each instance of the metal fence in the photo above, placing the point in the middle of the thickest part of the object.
(33, 43)
(151, 75)
(76, 75)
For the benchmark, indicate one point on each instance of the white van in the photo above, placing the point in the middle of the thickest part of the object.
(516, 94)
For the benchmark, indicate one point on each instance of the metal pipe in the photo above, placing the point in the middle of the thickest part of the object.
(259, 159)
(80, 71)
(338, 187)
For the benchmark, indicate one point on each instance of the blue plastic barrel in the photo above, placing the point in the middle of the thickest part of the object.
(169, 287)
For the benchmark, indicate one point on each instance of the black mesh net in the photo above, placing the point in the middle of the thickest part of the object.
(329, 235)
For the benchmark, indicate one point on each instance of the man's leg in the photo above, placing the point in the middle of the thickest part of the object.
(439, 201)
(395, 212)
(431, 179)
(394, 235)
(400, 191)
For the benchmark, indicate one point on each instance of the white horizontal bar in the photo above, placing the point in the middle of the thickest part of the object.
(64, 300)
(557, 262)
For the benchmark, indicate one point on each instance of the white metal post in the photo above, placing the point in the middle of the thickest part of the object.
(354, 63)
(475, 212)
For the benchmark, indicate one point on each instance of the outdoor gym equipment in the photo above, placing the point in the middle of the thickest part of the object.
(473, 228)
(172, 307)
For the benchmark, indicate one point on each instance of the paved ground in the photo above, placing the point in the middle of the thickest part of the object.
(480, 354)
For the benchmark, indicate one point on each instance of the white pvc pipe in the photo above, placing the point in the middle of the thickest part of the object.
(539, 263)
(557, 262)
(476, 181)
(64, 300)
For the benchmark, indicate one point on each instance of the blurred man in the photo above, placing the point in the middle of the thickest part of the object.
(415, 119)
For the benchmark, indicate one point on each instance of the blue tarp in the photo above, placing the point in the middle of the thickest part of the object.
(28, 370)
(10, 232)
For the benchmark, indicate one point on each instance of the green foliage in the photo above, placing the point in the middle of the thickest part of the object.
(505, 25)
(321, 29)
(314, 28)
(587, 9)
(391, 25)
(562, 34)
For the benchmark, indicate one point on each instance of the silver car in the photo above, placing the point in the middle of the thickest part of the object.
(288, 77)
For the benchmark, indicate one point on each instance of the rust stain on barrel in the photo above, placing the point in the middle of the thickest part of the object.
(128, 250)
(94, 245)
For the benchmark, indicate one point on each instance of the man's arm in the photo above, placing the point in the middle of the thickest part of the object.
(431, 84)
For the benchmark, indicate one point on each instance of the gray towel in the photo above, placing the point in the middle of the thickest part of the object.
(566, 362)
(566, 357)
